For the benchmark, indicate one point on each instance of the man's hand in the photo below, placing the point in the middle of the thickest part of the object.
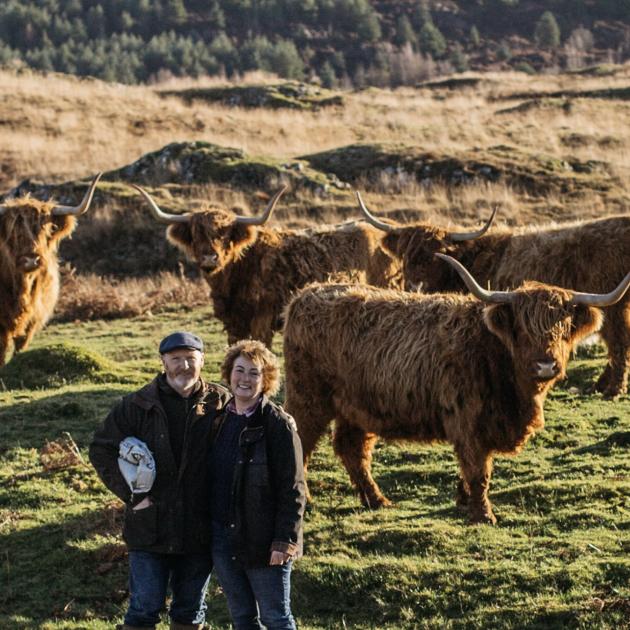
(145, 503)
(279, 557)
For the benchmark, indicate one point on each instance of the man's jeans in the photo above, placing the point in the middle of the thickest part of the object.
(149, 575)
(255, 596)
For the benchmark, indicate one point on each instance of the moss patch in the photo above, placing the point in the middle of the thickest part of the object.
(457, 83)
(57, 365)
(618, 94)
(535, 174)
(290, 95)
(203, 163)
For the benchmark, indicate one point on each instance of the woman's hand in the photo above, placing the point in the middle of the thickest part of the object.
(279, 557)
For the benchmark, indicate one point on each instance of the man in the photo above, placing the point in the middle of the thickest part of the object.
(168, 528)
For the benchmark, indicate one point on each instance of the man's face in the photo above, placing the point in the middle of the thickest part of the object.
(182, 368)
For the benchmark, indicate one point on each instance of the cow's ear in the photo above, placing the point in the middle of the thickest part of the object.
(499, 319)
(242, 235)
(391, 242)
(586, 320)
(180, 235)
(62, 226)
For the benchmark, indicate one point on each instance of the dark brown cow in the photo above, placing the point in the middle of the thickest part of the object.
(447, 367)
(585, 255)
(253, 270)
(30, 233)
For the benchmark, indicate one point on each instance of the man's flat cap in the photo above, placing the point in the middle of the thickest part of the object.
(180, 339)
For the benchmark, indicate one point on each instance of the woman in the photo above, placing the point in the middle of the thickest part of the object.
(257, 492)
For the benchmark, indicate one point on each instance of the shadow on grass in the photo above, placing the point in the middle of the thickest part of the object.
(30, 424)
(582, 375)
(618, 439)
(46, 575)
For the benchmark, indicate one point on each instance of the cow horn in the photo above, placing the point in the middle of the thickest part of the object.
(261, 220)
(603, 299)
(469, 236)
(386, 227)
(82, 208)
(495, 297)
(160, 215)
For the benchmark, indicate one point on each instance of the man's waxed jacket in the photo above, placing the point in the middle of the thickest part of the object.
(268, 494)
(178, 519)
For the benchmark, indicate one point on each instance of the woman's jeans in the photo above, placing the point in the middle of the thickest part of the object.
(149, 575)
(257, 598)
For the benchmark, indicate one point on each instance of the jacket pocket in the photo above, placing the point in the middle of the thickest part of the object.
(141, 526)
(258, 474)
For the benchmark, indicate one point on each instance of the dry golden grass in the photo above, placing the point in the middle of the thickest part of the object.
(61, 127)
(89, 296)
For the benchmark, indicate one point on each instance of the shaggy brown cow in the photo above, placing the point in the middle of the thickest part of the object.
(588, 255)
(30, 233)
(253, 270)
(446, 367)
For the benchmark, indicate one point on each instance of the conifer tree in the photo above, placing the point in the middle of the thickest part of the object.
(404, 32)
(475, 38)
(327, 75)
(432, 41)
(547, 32)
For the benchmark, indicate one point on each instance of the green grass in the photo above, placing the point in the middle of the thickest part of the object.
(558, 558)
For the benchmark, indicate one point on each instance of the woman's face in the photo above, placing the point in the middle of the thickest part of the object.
(246, 381)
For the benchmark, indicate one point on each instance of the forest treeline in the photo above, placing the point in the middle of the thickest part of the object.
(359, 42)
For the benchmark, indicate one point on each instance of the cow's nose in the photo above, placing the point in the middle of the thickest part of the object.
(209, 260)
(546, 369)
(30, 262)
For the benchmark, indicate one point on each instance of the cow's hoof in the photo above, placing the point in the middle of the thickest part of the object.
(609, 392)
(375, 503)
(486, 518)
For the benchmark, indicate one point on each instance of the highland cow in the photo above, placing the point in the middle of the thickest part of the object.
(469, 370)
(588, 255)
(253, 270)
(30, 233)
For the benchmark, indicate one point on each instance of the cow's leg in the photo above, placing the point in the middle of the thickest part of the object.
(262, 328)
(616, 333)
(4, 347)
(21, 341)
(476, 470)
(462, 495)
(354, 446)
(308, 400)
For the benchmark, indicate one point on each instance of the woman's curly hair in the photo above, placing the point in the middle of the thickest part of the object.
(258, 353)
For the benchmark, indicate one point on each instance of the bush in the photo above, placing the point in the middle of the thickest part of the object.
(523, 66)
(90, 297)
(547, 32)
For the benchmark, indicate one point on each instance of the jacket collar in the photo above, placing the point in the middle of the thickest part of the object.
(148, 396)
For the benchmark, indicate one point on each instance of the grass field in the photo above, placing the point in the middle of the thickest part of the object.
(560, 554)
(558, 558)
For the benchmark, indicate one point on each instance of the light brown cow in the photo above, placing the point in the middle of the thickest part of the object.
(30, 233)
(253, 270)
(470, 370)
(585, 255)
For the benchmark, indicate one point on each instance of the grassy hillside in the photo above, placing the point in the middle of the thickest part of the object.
(546, 148)
(559, 557)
